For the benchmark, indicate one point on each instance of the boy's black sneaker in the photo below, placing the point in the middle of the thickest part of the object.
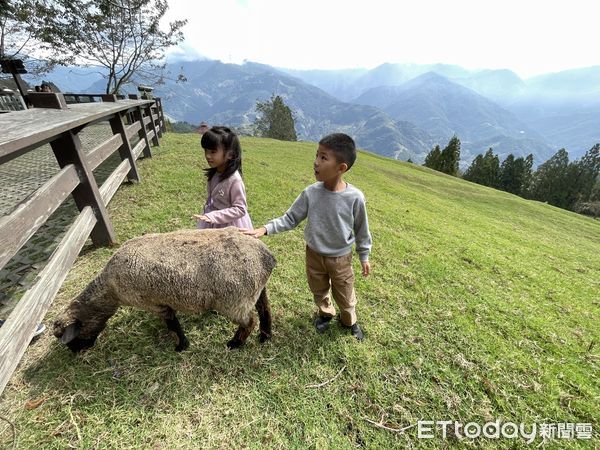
(322, 323)
(357, 332)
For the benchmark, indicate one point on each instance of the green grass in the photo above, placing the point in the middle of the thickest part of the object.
(481, 306)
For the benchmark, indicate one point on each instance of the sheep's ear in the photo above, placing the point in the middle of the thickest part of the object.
(71, 332)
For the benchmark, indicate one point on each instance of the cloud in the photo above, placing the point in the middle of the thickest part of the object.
(184, 52)
(528, 37)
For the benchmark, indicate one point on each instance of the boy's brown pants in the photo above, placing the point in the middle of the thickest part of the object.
(325, 271)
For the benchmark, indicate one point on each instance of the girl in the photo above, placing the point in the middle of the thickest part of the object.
(226, 200)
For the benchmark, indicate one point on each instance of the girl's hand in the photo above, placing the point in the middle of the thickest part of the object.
(366, 268)
(203, 218)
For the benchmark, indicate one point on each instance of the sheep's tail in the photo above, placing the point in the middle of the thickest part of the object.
(264, 315)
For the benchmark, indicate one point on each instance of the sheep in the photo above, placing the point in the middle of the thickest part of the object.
(190, 271)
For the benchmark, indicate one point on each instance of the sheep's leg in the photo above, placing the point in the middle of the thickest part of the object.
(264, 316)
(168, 315)
(242, 333)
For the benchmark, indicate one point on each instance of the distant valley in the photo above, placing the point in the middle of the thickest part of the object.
(396, 110)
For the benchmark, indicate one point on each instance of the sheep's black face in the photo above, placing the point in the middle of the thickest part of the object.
(69, 335)
(79, 344)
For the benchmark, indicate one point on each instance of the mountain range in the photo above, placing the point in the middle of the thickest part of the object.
(396, 110)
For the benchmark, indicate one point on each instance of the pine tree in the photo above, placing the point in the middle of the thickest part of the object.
(595, 195)
(432, 160)
(550, 183)
(515, 174)
(450, 157)
(582, 176)
(485, 170)
(527, 176)
(507, 174)
(475, 172)
(275, 120)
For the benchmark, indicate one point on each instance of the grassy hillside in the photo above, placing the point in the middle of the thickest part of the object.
(481, 306)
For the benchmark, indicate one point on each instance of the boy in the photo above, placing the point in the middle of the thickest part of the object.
(337, 218)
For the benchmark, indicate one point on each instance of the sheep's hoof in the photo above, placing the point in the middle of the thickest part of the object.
(183, 345)
(234, 343)
(263, 337)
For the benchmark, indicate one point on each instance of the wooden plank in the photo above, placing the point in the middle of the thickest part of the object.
(156, 108)
(18, 227)
(67, 150)
(17, 331)
(103, 151)
(141, 145)
(112, 183)
(133, 129)
(47, 100)
(143, 132)
(33, 127)
(162, 115)
(118, 127)
(153, 126)
(147, 120)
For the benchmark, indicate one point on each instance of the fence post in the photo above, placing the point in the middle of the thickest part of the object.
(155, 141)
(143, 133)
(161, 115)
(118, 127)
(67, 149)
(157, 123)
(47, 100)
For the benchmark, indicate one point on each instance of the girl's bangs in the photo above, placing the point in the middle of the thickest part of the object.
(210, 140)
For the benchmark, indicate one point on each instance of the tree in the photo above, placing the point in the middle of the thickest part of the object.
(450, 157)
(20, 25)
(527, 175)
(484, 170)
(515, 174)
(275, 119)
(590, 165)
(582, 175)
(475, 171)
(550, 183)
(595, 195)
(123, 37)
(432, 160)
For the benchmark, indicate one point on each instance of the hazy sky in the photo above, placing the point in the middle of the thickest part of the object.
(527, 36)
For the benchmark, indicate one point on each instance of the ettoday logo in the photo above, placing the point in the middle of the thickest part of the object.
(430, 429)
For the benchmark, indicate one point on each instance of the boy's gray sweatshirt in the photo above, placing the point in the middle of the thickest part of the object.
(335, 220)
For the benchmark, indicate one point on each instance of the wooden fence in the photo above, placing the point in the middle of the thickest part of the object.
(130, 120)
(10, 102)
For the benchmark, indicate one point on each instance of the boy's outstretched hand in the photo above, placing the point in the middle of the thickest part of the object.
(259, 232)
(366, 268)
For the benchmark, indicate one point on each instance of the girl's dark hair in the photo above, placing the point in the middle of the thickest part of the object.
(223, 137)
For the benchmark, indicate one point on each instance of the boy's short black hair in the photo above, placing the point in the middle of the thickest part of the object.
(342, 145)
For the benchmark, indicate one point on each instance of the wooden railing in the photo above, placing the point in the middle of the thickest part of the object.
(10, 102)
(86, 98)
(22, 131)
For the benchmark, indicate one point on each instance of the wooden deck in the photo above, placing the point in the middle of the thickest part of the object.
(20, 178)
(23, 130)
(133, 126)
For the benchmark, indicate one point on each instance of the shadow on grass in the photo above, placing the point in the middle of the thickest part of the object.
(134, 365)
